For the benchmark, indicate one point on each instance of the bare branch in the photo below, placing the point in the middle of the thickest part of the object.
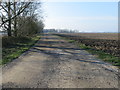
(19, 12)
(3, 8)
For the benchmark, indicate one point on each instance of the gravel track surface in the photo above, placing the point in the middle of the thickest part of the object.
(55, 63)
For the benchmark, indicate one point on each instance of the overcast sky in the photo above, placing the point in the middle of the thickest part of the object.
(82, 16)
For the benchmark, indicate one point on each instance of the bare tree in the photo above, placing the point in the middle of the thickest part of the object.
(18, 16)
(9, 12)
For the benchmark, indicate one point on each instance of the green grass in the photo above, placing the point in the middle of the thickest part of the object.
(11, 53)
(100, 54)
(71, 41)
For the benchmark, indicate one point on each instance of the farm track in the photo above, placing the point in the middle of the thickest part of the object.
(55, 63)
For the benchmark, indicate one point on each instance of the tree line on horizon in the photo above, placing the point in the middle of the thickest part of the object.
(21, 18)
(59, 31)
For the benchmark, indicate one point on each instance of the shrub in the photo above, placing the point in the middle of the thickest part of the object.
(11, 41)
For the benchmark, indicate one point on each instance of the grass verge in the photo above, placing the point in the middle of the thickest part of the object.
(14, 51)
(100, 54)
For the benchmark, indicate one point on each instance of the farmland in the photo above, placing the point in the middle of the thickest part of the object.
(105, 42)
(106, 36)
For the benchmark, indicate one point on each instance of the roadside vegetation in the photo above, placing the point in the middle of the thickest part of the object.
(17, 47)
(107, 57)
(23, 24)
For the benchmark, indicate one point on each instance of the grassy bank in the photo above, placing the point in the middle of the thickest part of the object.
(100, 54)
(13, 47)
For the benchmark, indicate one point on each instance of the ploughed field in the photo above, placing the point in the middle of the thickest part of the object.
(107, 42)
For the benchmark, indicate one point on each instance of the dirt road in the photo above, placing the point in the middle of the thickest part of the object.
(55, 63)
